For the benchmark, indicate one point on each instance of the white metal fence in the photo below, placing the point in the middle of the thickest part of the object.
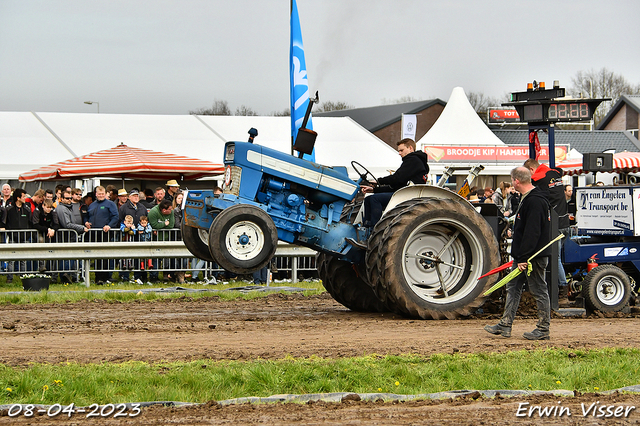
(75, 256)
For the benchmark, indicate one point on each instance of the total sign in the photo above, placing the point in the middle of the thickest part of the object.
(608, 210)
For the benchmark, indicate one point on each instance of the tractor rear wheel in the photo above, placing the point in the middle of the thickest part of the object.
(243, 239)
(373, 246)
(606, 288)
(197, 241)
(347, 284)
(430, 256)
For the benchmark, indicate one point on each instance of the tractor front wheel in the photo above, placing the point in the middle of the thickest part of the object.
(243, 239)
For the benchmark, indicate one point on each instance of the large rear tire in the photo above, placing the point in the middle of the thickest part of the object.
(430, 256)
(243, 239)
(374, 245)
(606, 288)
(197, 241)
(347, 284)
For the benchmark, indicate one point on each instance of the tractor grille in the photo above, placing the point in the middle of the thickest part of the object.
(234, 185)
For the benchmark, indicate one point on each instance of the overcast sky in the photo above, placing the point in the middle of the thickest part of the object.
(169, 57)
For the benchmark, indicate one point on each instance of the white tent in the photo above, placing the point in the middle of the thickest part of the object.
(31, 140)
(459, 124)
(26, 144)
(340, 140)
(460, 131)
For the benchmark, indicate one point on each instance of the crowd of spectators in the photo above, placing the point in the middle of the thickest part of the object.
(505, 197)
(104, 215)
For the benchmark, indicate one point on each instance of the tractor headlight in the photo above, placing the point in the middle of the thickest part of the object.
(230, 152)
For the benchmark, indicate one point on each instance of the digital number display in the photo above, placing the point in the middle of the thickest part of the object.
(572, 111)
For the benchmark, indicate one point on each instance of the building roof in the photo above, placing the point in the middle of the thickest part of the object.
(581, 140)
(378, 117)
(632, 101)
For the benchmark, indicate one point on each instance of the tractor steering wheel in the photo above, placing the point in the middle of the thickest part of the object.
(364, 172)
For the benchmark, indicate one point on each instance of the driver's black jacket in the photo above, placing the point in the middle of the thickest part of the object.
(414, 168)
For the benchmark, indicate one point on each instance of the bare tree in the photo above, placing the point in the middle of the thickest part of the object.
(284, 113)
(244, 110)
(482, 103)
(601, 84)
(401, 100)
(218, 108)
(333, 106)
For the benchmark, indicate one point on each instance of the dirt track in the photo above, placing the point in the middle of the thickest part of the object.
(272, 327)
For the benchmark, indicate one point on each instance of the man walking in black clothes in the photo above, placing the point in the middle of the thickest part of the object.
(530, 234)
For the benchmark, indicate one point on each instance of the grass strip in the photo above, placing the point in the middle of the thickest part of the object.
(70, 293)
(204, 380)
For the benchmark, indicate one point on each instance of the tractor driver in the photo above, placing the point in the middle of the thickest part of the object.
(414, 169)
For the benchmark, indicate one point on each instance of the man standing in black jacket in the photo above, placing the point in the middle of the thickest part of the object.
(530, 234)
(414, 169)
(550, 182)
(17, 217)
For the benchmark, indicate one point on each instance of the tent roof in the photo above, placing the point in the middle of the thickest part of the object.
(623, 162)
(32, 140)
(126, 162)
(174, 134)
(340, 139)
(459, 124)
(26, 144)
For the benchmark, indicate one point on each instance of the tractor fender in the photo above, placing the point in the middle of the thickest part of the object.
(424, 191)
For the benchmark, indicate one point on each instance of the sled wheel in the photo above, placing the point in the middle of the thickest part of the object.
(606, 288)
(347, 284)
(243, 239)
(197, 241)
(430, 257)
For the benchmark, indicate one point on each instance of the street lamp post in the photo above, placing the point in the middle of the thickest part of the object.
(93, 102)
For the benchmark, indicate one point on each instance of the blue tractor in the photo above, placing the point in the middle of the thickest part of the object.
(423, 259)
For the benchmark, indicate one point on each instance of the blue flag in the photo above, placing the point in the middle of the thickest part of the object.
(298, 75)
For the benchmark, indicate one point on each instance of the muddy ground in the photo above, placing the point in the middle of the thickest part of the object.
(279, 325)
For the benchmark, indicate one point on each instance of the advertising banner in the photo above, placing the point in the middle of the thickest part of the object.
(503, 116)
(489, 154)
(605, 210)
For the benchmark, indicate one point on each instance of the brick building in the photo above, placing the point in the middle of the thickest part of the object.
(384, 121)
(625, 115)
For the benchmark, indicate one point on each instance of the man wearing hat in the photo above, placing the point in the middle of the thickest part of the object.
(172, 190)
(122, 198)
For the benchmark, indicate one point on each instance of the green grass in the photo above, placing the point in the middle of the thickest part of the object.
(70, 293)
(204, 380)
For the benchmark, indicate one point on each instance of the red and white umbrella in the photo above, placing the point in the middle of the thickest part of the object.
(126, 162)
(623, 162)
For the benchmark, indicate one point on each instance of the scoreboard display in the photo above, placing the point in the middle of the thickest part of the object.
(550, 106)
(546, 111)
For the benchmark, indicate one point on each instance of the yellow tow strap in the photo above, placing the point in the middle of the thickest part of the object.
(517, 271)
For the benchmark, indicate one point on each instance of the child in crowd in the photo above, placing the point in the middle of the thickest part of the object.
(128, 234)
(145, 232)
